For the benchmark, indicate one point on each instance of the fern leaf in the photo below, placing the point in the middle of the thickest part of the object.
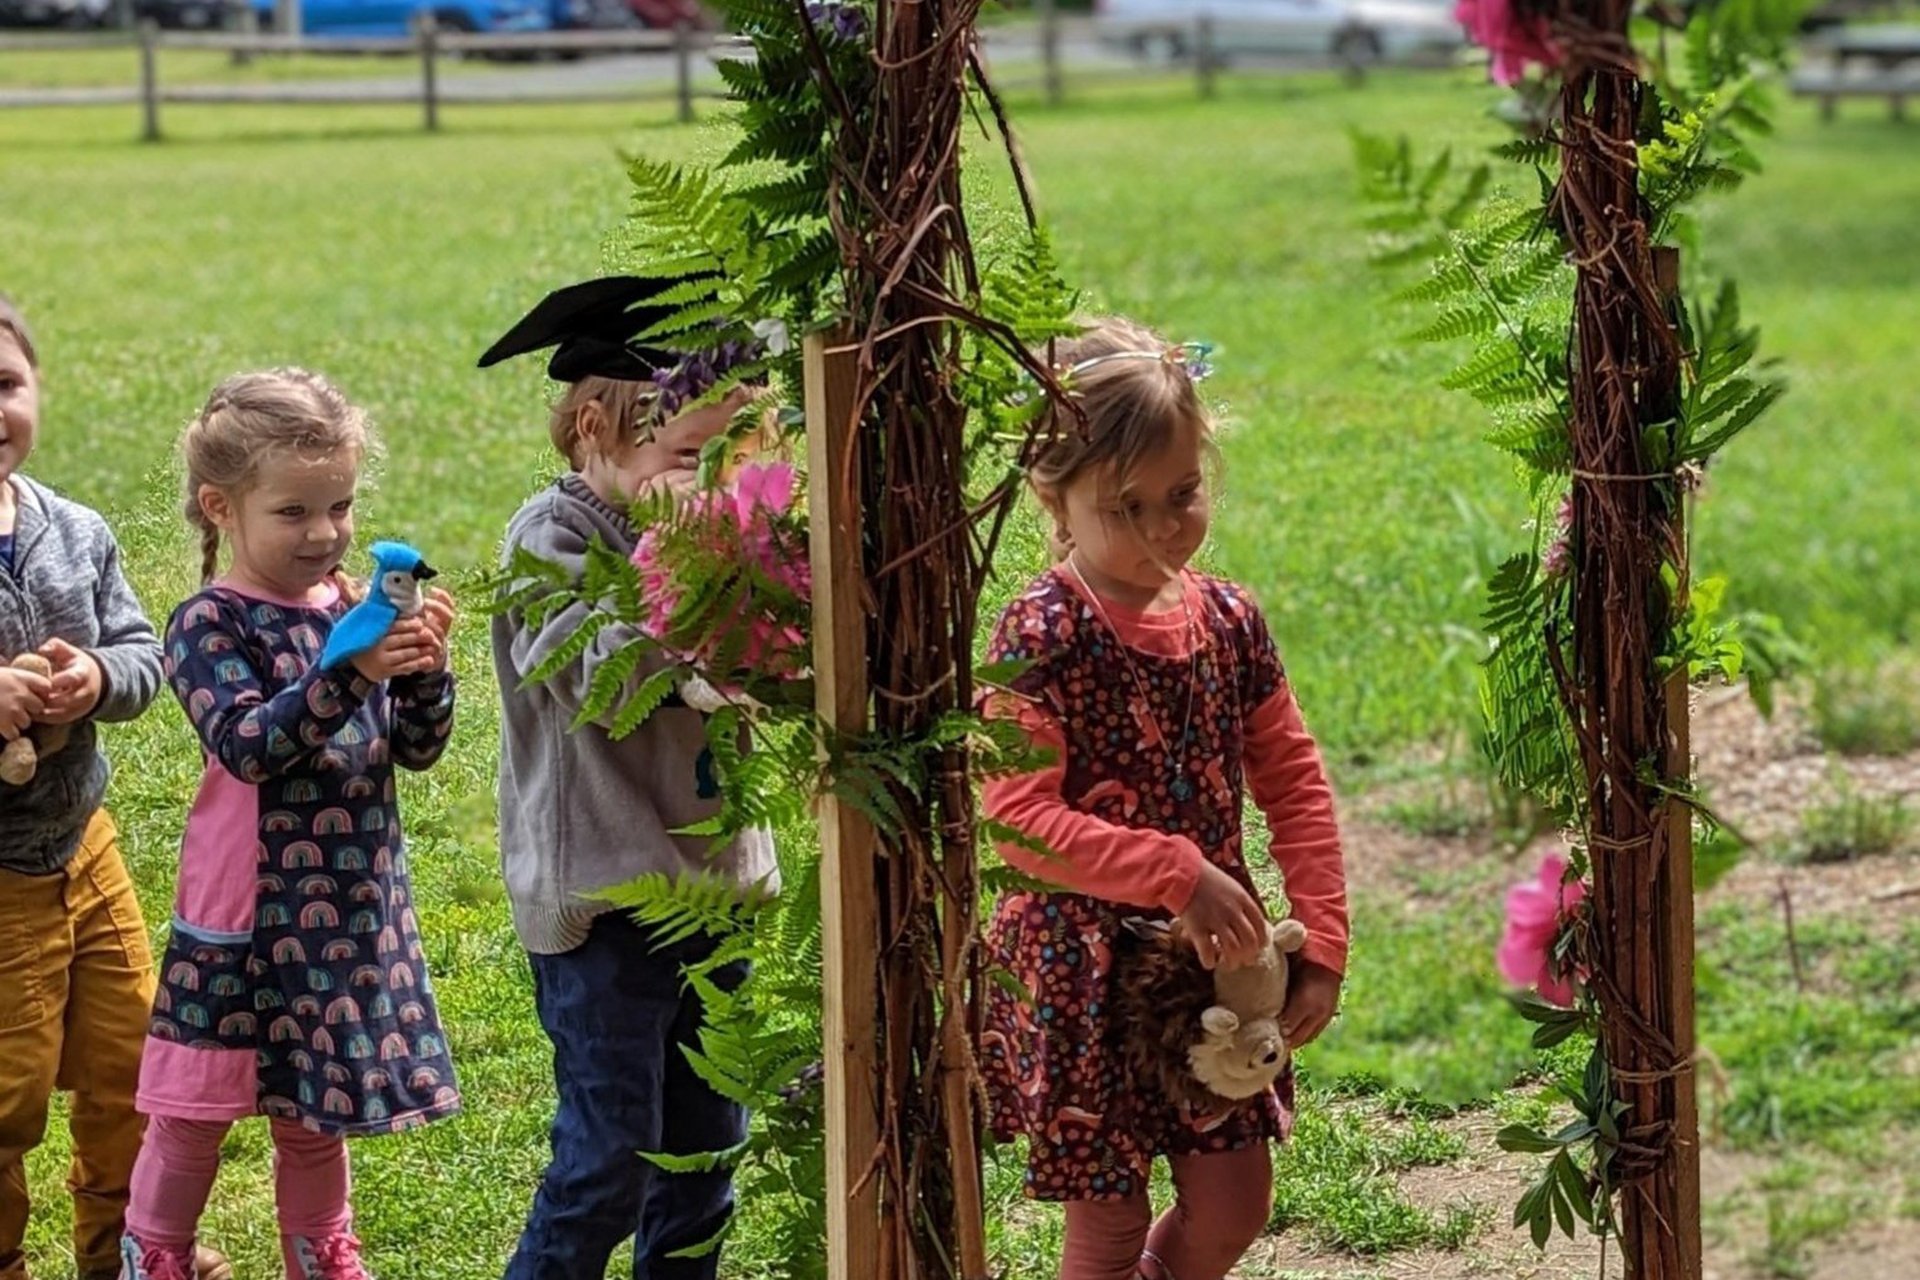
(568, 652)
(646, 700)
(1467, 201)
(608, 679)
(1474, 320)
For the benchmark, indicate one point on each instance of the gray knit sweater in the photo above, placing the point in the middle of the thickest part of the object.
(66, 583)
(580, 812)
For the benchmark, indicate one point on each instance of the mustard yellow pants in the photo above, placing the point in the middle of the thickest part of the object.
(76, 989)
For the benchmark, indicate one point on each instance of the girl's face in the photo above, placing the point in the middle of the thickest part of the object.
(1131, 542)
(290, 528)
(19, 406)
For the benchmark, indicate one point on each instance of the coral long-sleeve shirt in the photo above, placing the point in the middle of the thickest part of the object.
(1145, 867)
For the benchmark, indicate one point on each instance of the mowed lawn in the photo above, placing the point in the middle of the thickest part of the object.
(1359, 502)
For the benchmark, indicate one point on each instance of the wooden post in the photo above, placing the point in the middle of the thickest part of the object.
(1674, 903)
(429, 34)
(149, 80)
(1203, 57)
(683, 69)
(287, 17)
(1050, 49)
(243, 20)
(849, 889)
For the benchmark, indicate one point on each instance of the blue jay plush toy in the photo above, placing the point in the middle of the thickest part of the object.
(394, 593)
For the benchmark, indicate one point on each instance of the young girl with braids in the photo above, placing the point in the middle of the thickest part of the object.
(294, 983)
(1160, 700)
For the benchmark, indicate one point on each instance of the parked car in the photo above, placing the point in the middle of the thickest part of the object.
(592, 15)
(665, 14)
(79, 14)
(187, 15)
(403, 17)
(1354, 31)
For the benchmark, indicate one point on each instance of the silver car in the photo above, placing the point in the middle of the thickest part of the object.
(1357, 32)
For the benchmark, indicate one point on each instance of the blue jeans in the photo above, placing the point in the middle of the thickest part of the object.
(618, 1012)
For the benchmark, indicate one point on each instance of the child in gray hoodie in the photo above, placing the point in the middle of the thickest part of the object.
(580, 812)
(79, 972)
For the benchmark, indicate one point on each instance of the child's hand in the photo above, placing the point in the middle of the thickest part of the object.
(1227, 924)
(23, 699)
(437, 620)
(677, 483)
(408, 649)
(1313, 995)
(77, 683)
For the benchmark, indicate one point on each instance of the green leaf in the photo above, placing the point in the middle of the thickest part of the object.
(1001, 675)
(698, 1162)
(1524, 1138)
(647, 699)
(1474, 320)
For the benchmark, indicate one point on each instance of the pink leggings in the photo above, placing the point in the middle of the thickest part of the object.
(1221, 1205)
(174, 1175)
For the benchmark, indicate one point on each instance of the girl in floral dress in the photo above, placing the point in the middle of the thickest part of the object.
(1157, 693)
(294, 983)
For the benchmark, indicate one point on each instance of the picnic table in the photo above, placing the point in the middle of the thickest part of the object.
(1864, 61)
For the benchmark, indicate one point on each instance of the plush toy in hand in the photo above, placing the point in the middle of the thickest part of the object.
(1206, 1039)
(20, 759)
(394, 593)
(1242, 1050)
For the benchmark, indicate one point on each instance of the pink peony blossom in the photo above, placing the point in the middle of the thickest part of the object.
(735, 524)
(1535, 913)
(1514, 39)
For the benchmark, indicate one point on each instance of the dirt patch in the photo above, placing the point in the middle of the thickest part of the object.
(1762, 774)
(1889, 1251)
(1492, 1180)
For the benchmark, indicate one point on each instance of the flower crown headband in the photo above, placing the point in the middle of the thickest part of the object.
(1190, 356)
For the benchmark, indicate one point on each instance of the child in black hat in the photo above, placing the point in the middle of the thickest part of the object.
(580, 812)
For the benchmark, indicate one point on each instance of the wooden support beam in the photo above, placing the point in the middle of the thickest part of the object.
(1674, 900)
(849, 888)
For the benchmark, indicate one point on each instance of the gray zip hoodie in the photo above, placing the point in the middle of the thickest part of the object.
(580, 812)
(66, 583)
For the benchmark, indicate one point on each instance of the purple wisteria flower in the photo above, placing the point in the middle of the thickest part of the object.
(695, 375)
(845, 23)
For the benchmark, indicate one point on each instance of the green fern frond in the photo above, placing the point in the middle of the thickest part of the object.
(689, 905)
(568, 651)
(647, 699)
(1538, 437)
(608, 680)
(1473, 320)
(1490, 363)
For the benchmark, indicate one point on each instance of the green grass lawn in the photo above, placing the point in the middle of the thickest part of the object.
(1359, 503)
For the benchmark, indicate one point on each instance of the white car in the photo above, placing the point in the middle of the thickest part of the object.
(1354, 31)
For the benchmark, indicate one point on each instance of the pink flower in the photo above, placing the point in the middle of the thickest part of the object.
(714, 531)
(1557, 558)
(1535, 914)
(1514, 39)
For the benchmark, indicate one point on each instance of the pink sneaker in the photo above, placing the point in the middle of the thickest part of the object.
(154, 1262)
(334, 1257)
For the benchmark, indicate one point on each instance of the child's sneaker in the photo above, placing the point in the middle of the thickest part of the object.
(334, 1257)
(154, 1262)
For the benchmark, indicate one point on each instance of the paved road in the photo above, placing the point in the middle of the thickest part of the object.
(614, 77)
